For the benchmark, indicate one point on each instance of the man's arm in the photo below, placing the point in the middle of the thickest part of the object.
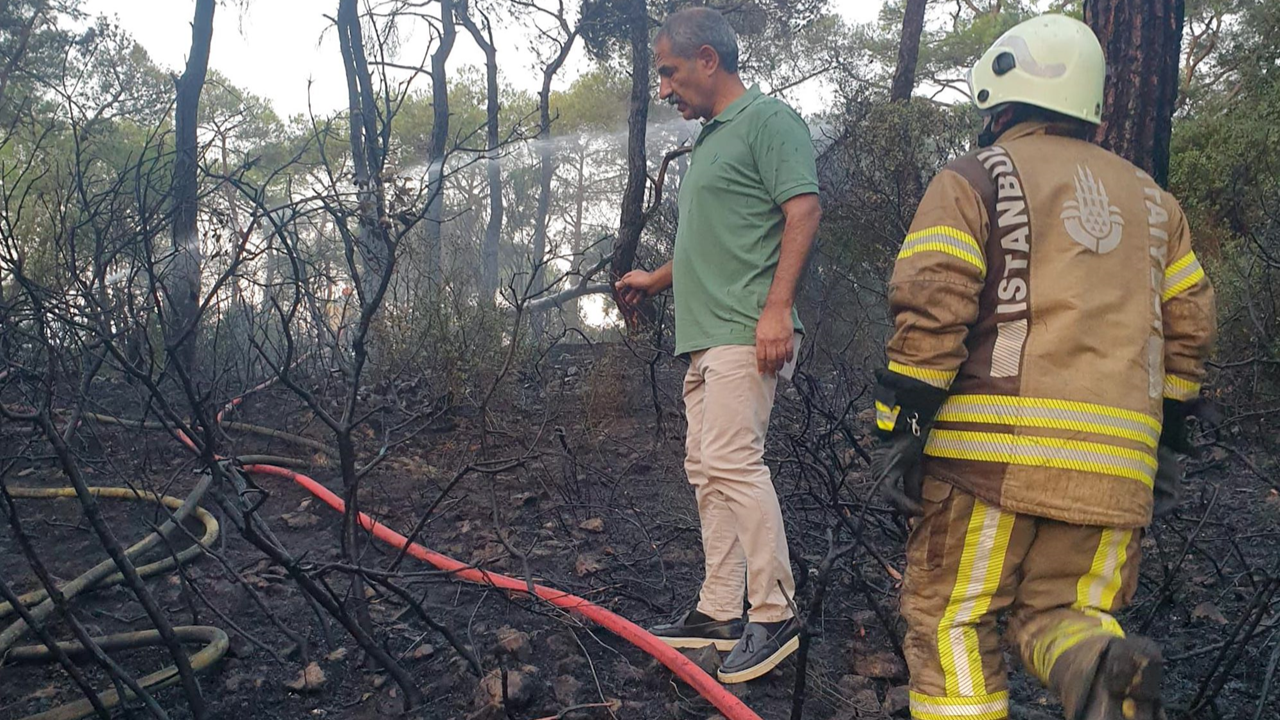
(934, 296)
(640, 284)
(1190, 328)
(774, 332)
(784, 155)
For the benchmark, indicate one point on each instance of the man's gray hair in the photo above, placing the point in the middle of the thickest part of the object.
(691, 28)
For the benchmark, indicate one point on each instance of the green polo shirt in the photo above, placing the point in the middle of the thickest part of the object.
(746, 162)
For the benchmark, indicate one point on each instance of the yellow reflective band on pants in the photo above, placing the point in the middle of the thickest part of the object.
(982, 560)
(1034, 451)
(982, 707)
(1095, 596)
(969, 563)
(1097, 590)
(1059, 639)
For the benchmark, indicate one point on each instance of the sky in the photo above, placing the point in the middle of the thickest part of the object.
(286, 50)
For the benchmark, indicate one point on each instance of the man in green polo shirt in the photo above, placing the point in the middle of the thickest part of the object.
(748, 214)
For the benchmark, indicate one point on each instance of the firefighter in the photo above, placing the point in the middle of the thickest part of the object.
(1051, 325)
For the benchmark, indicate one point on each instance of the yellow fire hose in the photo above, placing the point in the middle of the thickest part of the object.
(101, 576)
(215, 647)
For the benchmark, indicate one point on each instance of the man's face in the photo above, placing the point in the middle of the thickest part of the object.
(684, 82)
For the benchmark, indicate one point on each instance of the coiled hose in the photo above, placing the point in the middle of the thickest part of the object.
(102, 575)
(711, 690)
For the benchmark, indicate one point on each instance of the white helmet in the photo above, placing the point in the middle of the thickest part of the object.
(1052, 62)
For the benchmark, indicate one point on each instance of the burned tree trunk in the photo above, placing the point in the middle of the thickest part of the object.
(1142, 40)
(493, 231)
(573, 309)
(371, 270)
(367, 154)
(632, 221)
(904, 75)
(439, 141)
(909, 181)
(546, 158)
(183, 278)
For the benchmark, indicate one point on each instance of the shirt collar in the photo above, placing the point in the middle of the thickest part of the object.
(737, 106)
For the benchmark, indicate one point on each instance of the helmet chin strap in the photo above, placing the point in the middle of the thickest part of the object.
(990, 130)
(987, 137)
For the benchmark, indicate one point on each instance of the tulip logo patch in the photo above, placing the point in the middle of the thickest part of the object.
(1091, 219)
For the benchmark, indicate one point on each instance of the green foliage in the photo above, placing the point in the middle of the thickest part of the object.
(758, 23)
(597, 100)
(1225, 170)
(87, 108)
(952, 41)
(468, 113)
(873, 172)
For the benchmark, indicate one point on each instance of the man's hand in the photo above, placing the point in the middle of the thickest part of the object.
(635, 286)
(775, 339)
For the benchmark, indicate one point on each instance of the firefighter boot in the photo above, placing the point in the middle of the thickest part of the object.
(1110, 678)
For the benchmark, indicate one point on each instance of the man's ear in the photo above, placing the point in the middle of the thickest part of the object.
(1005, 118)
(708, 59)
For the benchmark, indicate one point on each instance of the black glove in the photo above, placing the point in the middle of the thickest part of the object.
(1173, 440)
(905, 408)
(1173, 434)
(896, 466)
(1168, 481)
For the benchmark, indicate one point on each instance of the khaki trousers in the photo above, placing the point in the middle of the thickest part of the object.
(966, 562)
(728, 402)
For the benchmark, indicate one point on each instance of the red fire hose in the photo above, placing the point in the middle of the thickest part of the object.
(724, 701)
(729, 705)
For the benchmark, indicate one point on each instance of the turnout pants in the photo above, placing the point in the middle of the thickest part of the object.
(968, 561)
(728, 403)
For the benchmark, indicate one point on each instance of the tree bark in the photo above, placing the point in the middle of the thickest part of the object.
(372, 271)
(547, 161)
(632, 222)
(367, 156)
(573, 309)
(546, 173)
(904, 75)
(910, 183)
(6, 321)
(438, 143)
(1142, 40)
(184, 278)
(493, 231)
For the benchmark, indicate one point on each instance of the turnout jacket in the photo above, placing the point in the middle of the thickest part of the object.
(1049, 287)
